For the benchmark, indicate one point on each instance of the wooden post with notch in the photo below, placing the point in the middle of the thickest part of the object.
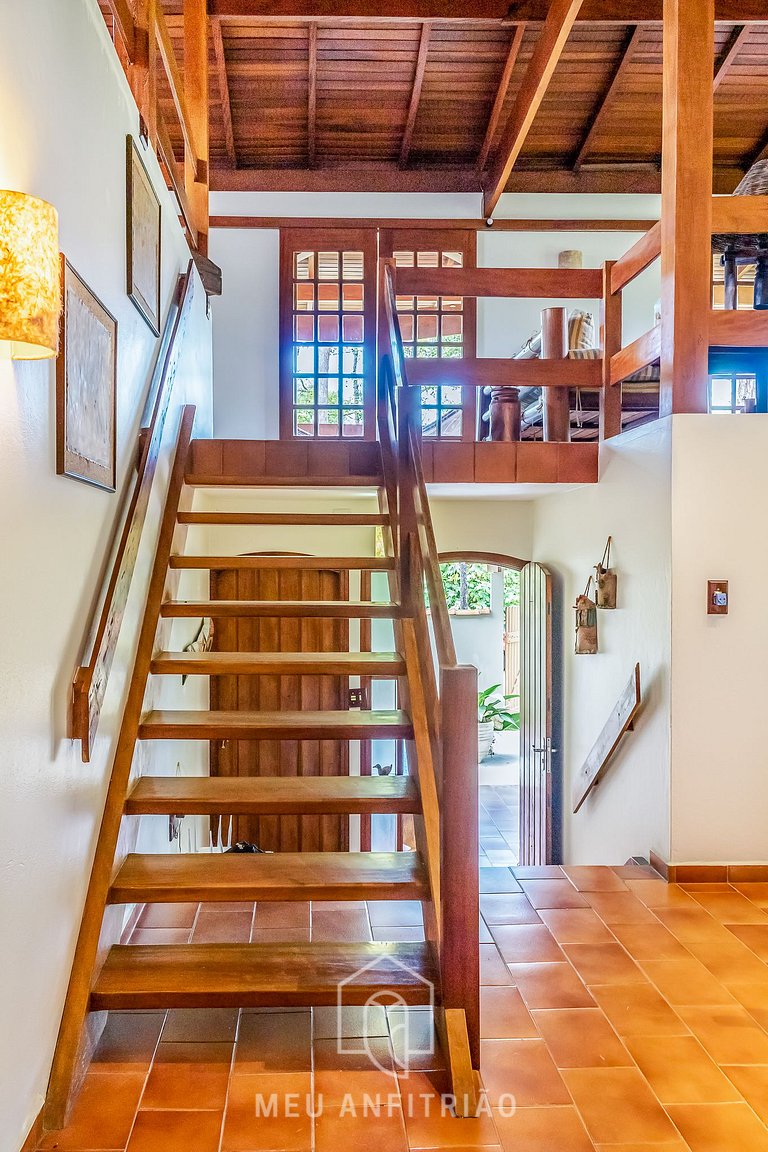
(196, 92)
(557, 401)
(686, 204)
(610, 342)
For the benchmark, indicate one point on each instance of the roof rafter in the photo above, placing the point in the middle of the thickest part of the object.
(418, 82)
(727, 59)
(607, 97)
(546, 54)
(226, 102)
(501, 95)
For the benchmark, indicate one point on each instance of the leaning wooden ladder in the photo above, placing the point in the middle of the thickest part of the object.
(437, 722)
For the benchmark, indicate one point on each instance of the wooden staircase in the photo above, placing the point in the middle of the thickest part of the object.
(436, 722)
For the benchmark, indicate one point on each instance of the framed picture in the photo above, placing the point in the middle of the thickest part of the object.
(86, 385)
(143, 216)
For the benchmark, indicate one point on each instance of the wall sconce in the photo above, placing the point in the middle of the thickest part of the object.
(30, 276)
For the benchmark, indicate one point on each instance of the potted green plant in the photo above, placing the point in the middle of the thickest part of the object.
(493, 715)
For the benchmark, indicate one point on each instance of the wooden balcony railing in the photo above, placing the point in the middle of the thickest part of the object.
(91, 678)
(444, 754)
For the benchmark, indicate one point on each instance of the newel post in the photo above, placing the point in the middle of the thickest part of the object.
(459, 873)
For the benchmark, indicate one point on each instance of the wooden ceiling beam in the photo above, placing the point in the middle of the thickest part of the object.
(608, 96)
(596, 11)
(736, 42)
(501, 95)
(226, 101)
(546, 55)
(759, 153)
(418, 82)
(312, 96)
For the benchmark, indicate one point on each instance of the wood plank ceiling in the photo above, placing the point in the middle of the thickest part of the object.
(367, 104)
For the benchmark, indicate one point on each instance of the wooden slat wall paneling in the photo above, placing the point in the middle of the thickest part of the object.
(328, 333)
(686, 217)
(593, 11)
(432, 323)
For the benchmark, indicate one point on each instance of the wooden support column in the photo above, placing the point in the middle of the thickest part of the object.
(686, 204)
(610, 342)
(196, 93)
(142, 75)
(557, 403)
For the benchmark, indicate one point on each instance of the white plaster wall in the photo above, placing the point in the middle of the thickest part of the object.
(483, 525)
(719, 757)
(246, 316)
(628, 814)
(65, 110)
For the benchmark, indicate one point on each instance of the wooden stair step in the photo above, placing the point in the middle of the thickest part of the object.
(305, 725)
(324, 609)
(350, 519)
(381, 664)
(202, 876)
(275, 560)
(271, 795)
(261, 975)
(212, 480)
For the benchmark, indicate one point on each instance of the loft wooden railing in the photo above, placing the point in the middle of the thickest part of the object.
(142, 44)
(444, 708)
(90, 682)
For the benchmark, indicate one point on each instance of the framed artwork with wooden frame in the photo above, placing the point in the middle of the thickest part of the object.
(86, 385)
(143, 219)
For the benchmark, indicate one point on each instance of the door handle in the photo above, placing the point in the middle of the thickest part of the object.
(544, 749)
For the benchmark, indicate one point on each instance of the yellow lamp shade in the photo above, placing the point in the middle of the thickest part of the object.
(30, 278)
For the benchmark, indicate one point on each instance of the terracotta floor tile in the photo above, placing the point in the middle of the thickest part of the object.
(680, 1071)
(685, 982)
(328, 1023)
(589, 879)
(755, 936)
(168, 916)
(281, 914)
(649, 942)
(576, 926)
(280, 935)
(730, 907)
(523, 1069)
(551, 1129)
(211, 1025)
(603, 964)
(485, 933)
(729, 960)
(342, 1129)
(154, 936)
(525, 943)
(692, 924)
(752, 1081)
(334, 926)
(550, 986)
(176, 1132)
(617, 1106)
(355, 1053)
(128, 1042)
(538, 872)
(287, 1129)
(395, 932)
(334, 1086)
(398, 913)
(414, 1039)
(102, 1115)
(498, 880)
(756, 892)
(667, 1146)
(493, 970)
(638, 1010)
(620, 908)
(730, 1035)
(753, 997)
(659, 894)
(227, 927)
(581, 1038)
(504, 1016)
(187, 1074)
(552, 894)
(509, 908)
(274, 1042)
(429, 1126)
(720, 1128)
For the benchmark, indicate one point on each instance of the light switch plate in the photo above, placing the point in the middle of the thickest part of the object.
(717, 597)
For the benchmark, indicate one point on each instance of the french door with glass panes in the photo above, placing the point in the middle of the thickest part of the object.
(438, 327)
(328, 333)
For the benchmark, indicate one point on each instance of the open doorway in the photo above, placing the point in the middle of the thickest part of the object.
(483, 594)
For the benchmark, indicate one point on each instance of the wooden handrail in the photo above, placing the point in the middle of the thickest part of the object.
(639, 354)
(90, 682)
(621, 721)
(515, 283)
(639, 257)
(486, 371)
(740, 214)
